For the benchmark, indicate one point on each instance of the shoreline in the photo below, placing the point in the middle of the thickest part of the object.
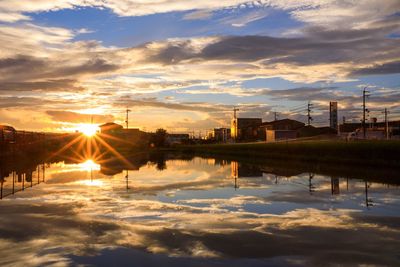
(361, 153)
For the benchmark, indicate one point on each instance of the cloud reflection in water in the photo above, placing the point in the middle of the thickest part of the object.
(190, 214)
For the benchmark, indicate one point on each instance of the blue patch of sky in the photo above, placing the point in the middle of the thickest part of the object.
(226, 99)
(112, 29)
(387, 81)
(272, 83)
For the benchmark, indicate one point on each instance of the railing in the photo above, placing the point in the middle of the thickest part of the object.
(18, 181)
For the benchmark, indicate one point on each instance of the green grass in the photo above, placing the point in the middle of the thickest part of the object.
(377, 153)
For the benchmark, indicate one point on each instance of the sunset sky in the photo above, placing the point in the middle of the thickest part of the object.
(183, 64)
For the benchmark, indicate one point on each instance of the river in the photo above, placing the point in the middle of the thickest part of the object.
(195, 212)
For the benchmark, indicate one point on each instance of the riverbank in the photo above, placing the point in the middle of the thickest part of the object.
(371, 153)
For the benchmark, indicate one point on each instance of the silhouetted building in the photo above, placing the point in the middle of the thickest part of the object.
(173, 139)
(246, 129)
(7, 134)
(280, 135)
(221, 134)
(131, 135)
(284, 124)
(110, 128)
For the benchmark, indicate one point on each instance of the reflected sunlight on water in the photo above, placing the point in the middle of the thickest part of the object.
(89, 165)
(91, 182)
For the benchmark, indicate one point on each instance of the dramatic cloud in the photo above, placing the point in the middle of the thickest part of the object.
(47, 85)
(387, 68)
(329, 13)
(11, 10)
(69, 116)
(337, 41)
(317, 47)
(201, 107)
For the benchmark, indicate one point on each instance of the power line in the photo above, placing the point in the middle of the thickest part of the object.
(298, 109)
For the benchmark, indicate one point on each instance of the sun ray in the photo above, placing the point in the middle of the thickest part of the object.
(107, 136)
(66, 146)
(113, 151)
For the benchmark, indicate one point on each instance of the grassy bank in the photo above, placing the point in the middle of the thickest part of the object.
(372, 153)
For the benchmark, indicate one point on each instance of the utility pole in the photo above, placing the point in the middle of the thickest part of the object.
(275, 115)
(127, 118)
(127, 180)
(364, 126)
(234, 112)
(309, 118)
(386, 124)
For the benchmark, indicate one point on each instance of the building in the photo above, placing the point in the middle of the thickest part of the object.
(118, 132)
(246, 128)
(287, 129)
(376, 130)
(7, 134)
(221, 134)
(279, 130)
(174, 139)
(110, 128)
(284, 124)
(280, 135)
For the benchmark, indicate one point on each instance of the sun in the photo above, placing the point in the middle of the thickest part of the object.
(88, 129)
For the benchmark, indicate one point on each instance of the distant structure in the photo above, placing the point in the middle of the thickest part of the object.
(377, 130)
(174, 139)
(333, 115)
(253, 129)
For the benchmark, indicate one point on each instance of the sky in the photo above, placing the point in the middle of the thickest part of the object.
(183, 65)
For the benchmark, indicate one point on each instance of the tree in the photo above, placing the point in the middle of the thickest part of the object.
(159, 138)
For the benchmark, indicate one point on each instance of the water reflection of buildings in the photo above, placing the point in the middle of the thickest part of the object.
(335, 186)
(20, 178)
(311, 186)
(244, 171)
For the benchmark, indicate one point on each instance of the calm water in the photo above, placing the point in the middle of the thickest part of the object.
(197, 212)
